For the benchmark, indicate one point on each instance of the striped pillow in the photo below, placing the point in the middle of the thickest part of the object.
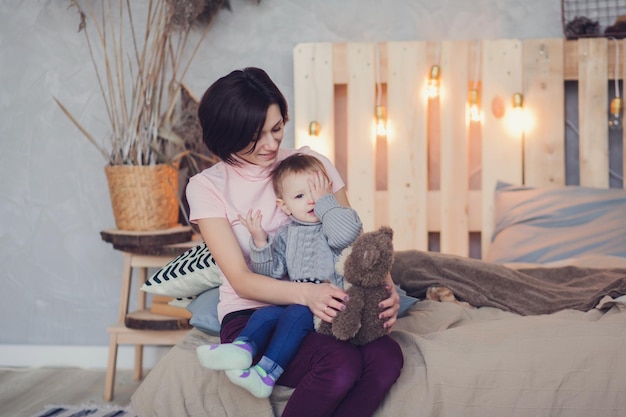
(188, 275)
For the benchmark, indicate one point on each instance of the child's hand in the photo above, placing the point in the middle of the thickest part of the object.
(319, 185)
(253, 222)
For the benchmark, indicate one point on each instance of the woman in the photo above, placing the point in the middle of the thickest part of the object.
(243, 116)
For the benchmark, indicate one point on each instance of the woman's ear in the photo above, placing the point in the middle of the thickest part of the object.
(280, 203)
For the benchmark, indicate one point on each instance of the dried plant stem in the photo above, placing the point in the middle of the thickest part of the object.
(82, 129)
(140, 83)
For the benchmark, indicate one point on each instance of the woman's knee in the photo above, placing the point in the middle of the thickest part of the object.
(344, 366)
(383, 357)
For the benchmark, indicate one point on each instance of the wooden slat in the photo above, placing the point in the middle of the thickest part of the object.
(592, 112)
(407, 145)
(314, 96)
(454, 186)
(570, 58)
(361, 162)
(622, 45)
(502, 145)
(544, 141)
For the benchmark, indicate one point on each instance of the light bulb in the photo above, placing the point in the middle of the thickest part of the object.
(615, 114)
(517, 119)
(475, 115)
(314, 128)
(518, 101)
(433, 81)
(381, 127)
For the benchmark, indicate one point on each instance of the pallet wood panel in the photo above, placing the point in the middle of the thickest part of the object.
(435, 173)
(454, 142)
(502, 138)
(361, 181)
(314, 93)
(592, 112)
(544, 92)
(407, 147)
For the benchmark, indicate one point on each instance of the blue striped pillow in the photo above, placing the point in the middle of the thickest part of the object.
(541, 225)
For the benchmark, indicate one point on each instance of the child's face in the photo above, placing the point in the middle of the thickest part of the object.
(297, 200)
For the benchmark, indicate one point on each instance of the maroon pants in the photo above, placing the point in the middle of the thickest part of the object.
(334, 378)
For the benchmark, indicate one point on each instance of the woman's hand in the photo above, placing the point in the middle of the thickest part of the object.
(390, 306)
(325, 300)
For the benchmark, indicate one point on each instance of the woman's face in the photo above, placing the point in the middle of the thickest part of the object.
(266, 148)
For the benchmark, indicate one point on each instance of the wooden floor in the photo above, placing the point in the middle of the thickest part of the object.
(25, 391)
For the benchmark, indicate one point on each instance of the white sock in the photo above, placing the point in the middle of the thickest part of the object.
(254, 379)
(237, 355)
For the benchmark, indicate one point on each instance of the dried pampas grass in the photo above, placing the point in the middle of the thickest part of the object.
(139, 74)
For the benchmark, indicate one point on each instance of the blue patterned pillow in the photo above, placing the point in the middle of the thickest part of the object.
(188, 275)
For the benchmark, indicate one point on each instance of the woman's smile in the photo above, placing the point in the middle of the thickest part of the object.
(264, 150)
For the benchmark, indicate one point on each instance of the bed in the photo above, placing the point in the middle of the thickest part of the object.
(524, 227)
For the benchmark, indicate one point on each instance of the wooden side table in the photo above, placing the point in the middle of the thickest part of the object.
(143, 250)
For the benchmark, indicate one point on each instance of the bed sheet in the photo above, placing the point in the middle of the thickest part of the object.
(459, 361)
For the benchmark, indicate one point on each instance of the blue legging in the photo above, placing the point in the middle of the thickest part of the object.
(278, 331)
(333, 378)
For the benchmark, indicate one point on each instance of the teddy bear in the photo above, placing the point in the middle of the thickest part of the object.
(365, 266)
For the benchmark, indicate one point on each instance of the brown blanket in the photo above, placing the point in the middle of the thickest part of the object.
(526, 291)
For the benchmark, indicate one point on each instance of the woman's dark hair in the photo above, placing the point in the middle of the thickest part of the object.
(233, 109)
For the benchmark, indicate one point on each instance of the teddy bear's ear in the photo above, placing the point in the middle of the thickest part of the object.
(387, 231)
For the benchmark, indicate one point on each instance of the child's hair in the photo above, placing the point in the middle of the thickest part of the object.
(295, 164)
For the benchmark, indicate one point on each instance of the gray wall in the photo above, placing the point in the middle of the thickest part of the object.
(60, 281)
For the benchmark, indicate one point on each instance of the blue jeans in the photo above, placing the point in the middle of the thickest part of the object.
(278, 331)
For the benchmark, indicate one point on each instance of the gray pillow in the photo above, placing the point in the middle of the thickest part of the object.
(540, 225)
(203, 310)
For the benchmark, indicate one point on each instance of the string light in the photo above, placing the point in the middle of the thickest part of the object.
(379, 111)
(314, 128)
(381, 121)
(474, 106)
(314, 125)
(433, 88)
(434, 81)
(517, 118)
(615, 114)
(475, 114)
(616, 107)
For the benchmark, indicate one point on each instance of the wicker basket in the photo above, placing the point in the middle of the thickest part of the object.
(144, 197)
(593, 18)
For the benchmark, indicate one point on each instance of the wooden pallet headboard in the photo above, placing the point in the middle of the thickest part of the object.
(426, 176)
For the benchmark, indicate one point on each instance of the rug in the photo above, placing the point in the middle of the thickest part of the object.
(91, 410)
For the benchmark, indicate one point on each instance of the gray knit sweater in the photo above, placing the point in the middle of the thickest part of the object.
(308, 251)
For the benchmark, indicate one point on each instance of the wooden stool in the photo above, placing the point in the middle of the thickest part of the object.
(143, 250)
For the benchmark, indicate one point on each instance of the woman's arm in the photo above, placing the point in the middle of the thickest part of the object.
(391, 305)
(224, 247)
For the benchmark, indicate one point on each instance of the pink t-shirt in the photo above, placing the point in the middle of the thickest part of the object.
(226, 191)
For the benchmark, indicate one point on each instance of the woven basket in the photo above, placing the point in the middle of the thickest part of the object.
(144, 197)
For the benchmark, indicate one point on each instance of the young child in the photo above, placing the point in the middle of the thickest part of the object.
(305, 250)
